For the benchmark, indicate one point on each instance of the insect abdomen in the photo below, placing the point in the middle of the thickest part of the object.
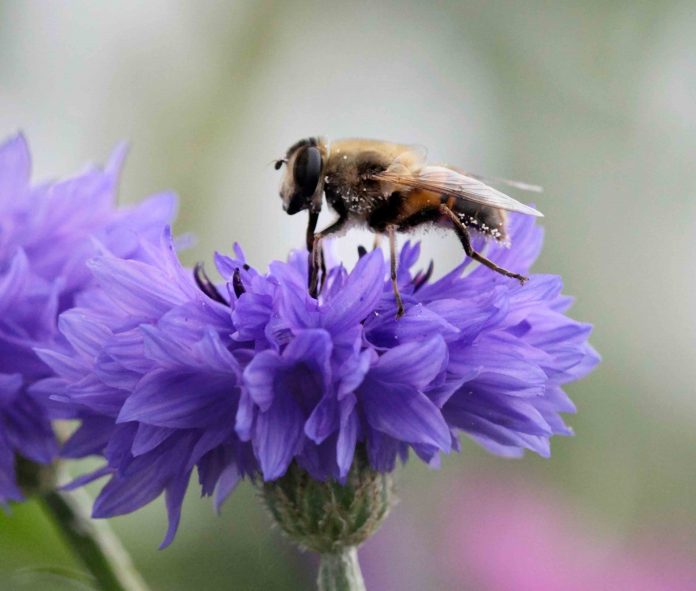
(485, 220)
(420, 206)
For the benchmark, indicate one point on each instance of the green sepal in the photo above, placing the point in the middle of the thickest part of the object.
(327, 516)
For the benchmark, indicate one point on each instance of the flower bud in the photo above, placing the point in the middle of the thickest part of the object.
(328, 516)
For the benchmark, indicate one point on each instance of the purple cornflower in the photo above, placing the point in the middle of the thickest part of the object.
(246, 378)
(47, 232)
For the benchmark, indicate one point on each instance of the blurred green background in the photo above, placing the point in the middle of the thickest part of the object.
(594, 100)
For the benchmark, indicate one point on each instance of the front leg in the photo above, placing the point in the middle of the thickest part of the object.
(311, 227)
(309, 237)
(316, 258)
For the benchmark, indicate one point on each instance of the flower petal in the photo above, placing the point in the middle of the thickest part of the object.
(324, 419)
(15, 167)
(405, 414)
(348, 435)
(278, 434)
(227, 482)
(415, 364)
(181, 399)
(259, 378)
(357, 299)
(174, 497)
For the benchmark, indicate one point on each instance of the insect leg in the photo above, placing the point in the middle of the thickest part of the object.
(311, 246)
(391, 231)
(322, 266)
(316, 259)
(318, 268)
(311, 227)
(465, 239)
(314, 266)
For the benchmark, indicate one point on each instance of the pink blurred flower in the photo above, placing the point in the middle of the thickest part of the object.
(514, 538)
(506, 536)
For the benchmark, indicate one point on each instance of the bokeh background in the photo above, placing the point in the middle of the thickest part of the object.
(595, 100)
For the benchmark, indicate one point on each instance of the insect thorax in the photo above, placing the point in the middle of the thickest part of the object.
(358, 199)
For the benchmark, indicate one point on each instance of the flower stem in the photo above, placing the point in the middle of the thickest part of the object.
(93, 542)
(340, 571)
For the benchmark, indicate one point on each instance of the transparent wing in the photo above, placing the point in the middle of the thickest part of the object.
(510, 183)
(441, 179)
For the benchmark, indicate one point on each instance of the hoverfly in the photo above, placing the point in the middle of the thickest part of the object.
(391, 188)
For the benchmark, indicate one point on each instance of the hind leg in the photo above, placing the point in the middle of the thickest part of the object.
(465, 239)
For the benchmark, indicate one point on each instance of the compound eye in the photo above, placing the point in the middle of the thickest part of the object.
(307, 170)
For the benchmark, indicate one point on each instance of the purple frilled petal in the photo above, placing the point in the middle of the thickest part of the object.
(290, 390)
(278, 435)
(193, 399)
(358, 296)
(15, 168)
(176, 380)
(348, 434)
(143, 479)
(324, 419)
(24, 430)
(393, 399)
(174, 498)
(404, 414)
(47, 233)
(156, 386)
(413, 364)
